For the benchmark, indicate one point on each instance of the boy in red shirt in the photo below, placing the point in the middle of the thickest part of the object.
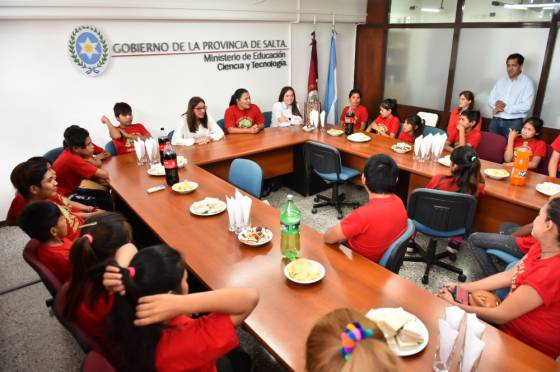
(530, 133)
(242, 116)
(371, 229)
(125, 133)
(360, 112)
(465, 135)
(43, 221)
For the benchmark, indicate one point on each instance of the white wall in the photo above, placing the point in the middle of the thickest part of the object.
(41, 93)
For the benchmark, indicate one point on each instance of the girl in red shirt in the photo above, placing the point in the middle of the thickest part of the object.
(242, 116)
(466, 102)
(413, 128)
(531, 310)
(387, 123)
(170, 340)
(530, 133)
(360, 112)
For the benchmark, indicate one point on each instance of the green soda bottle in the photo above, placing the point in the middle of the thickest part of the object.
(290, 218)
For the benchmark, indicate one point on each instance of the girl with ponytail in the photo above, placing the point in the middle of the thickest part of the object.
(242, 116)
(150, 325)
(105, 238)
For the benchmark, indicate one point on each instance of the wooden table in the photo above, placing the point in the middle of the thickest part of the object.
(286, 312)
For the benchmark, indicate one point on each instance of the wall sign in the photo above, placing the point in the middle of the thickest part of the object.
(88, 50)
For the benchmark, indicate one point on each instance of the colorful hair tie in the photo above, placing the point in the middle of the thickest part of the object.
(131, 272)
(89, 238)
(353, 333)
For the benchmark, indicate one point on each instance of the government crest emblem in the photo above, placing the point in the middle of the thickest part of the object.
(88, 50)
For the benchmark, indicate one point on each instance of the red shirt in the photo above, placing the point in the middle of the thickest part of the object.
(472, 138)
(125, 145)
(540, 327)
(538, 147)
(454, 121)
(235, 117)
(56, 258)
(438, 182)
(372, 228)
(92, 319)
(524, 243)
(556, 147)
(16, 207)
(70, 170)
(407, 137)
(388, 126)
(361, 113)
(195, 344)
(73, 222)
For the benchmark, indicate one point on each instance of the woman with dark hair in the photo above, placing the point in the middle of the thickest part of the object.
(531, 136)
(466, 102)
(242, 116)
(531, 310)
(413, 128)
(360, 112)
(387, 123)
(165, 337)
(286, 112)
(196, 125)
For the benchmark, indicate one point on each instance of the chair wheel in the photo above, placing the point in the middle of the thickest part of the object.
(462, 278)
(316, 199)
(339, 216)
(357, 205)
(453, 257)
(314, 210)
(425, 279)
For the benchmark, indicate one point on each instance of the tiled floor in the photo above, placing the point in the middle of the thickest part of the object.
(33, 340)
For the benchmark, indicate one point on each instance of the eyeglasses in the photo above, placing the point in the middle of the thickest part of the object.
(201, 108)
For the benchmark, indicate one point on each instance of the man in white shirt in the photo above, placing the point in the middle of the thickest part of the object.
(511, 98)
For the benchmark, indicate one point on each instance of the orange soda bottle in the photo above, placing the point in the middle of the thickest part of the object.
(521, 165)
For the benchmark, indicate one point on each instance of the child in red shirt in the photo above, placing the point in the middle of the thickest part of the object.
(413, 128)
(465, 135)
(371, 229)
(360, 112)
(124, 135)
(554, 163)
(466, 102)
(387, 123)
(530, 133)
(43, 221)
(242, 116)
(174, 341)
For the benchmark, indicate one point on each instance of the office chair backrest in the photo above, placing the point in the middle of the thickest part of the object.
(53, 154)
(322, 158)
(110, 148)
(247, 175)
(430, 118)
(432, 130)
(267, 118)
(543, 165)
(222, 124)
(492, 147)
(442, 213)
(393, 257)
(47, 276)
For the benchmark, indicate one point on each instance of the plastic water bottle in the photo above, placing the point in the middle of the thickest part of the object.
(290, 218)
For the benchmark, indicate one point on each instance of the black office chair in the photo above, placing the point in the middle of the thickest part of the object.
(439, 214)
(325, 161)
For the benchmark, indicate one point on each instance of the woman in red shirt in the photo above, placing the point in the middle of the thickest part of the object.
(242, 116)
(387, 123)
(170, 340)
(466, 102)
(360, 112)
(530, 133)
(531, 310)
(413, 128)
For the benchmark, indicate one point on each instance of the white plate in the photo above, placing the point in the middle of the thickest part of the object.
(220, 206)
(417, 349)
(445, 161)
(284, 124)
(308, 129)
(181, 161)
(335, 132)
(359, 137)
(488, 173)
(193, 184)
(267, 237)
(312, 262)
(156, 170)
(401, 148)
(548, 188)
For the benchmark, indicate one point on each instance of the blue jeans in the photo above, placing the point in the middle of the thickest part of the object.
(502, 126)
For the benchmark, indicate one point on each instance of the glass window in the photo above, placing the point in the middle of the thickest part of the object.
(502, 11)
(417, 66)
(481, 64)
(422, 11)
(551, 109)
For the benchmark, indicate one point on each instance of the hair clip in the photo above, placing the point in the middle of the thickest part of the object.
(353, 333)
(89, 238)
(88, 225)
(473, 158)
(131, 272)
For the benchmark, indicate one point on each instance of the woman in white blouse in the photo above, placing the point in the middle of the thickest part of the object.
(286, 111)
(196, 126)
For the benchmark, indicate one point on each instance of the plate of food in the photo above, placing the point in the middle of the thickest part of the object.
(359, 137)
(401, 147)
(405, 333)
(156, 170)
(497, 173)
(255, 236)
(184, 187)
(446, 160)
(181, 161)
(335, 132)
(304, 271)
(207, 207)
(548, 188)
(308, 128)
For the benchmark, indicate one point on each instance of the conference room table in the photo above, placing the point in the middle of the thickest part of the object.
(286, 311)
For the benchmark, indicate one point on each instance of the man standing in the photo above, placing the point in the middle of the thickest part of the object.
(511, 98)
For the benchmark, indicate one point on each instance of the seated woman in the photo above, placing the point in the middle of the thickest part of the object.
(286, 110)
(196, 126)
(387, 123)
(530, 311)
(465, 134)
(466, 102)
(169, 338)
(360, 112)
(242, 116)
(530, 133)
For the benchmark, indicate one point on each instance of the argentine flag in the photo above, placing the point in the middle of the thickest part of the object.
(331, 98)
